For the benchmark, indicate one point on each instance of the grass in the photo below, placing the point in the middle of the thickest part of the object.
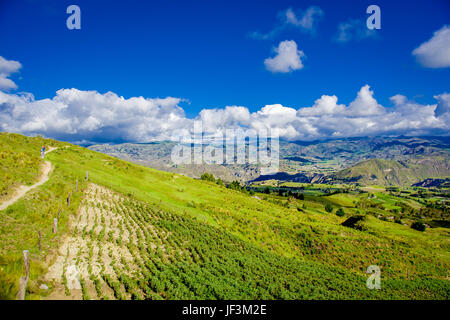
(20, 161)
(310, 244)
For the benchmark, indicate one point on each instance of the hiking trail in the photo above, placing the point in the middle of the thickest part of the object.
(22, 190)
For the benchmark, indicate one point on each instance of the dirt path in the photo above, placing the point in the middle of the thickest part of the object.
(22, 190)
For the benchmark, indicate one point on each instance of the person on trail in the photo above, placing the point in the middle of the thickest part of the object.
(42, 152)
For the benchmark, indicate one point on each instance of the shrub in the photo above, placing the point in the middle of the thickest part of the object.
(418, 225)
(340, 212)
(235, 185)
(355, 222)
(328, 208)
(208, 177)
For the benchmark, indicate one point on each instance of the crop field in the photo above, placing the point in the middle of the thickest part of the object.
(138, 233)
(124, 249)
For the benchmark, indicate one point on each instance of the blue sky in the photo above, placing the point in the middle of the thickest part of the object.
(204, 52)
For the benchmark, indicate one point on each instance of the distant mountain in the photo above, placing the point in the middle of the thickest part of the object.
(316, 161)
(393, 172)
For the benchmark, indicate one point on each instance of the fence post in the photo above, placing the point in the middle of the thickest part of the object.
(68, 200)
(40, 240)
(55, 225)
(59, 211)
(87, 176)
(23, 280)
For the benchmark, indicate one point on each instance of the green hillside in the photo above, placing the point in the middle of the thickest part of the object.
(20, 160)
(184, 238)
(393, 172)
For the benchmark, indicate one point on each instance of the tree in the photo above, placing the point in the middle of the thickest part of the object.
(208, 177)
(418, 225)
(235, 185)
(340, 212)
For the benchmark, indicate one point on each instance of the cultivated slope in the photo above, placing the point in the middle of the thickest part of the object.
(195, 239)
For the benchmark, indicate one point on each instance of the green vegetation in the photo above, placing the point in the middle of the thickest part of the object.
(340, 212)
(20, 160)
(197, 239)
(419, 226)
(328, 208)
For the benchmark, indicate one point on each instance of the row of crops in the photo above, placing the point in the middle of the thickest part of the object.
(127, 249)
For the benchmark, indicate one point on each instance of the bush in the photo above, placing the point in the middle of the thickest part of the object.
(419, 226)
(208, 177)
(340, 212)
(355, 222)
(235, 185)
(328, 208)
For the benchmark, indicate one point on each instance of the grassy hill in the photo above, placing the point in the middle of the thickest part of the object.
(20, 161)
(393, 172)
(184, 238)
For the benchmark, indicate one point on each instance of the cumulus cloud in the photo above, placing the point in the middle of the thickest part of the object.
(222, 119)
(76, 115)
(443, 105)
(435, 53)
(353, 29)
(8, 67)
(89, 115)
(326, 105)
(305, 21)
(288, 58)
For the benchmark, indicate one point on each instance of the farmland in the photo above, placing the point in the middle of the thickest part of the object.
(138, 233)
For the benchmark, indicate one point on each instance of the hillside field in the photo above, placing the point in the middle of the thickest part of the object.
(138, 233)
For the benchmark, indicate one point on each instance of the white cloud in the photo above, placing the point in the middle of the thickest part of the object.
(76, 115)
(365, 104)
(89, 116)
(353, 29)
(435, 53)
(323, 106)
(305, 21)
(230, 117)
(288, 58)
(443, 105)
(7, 67)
